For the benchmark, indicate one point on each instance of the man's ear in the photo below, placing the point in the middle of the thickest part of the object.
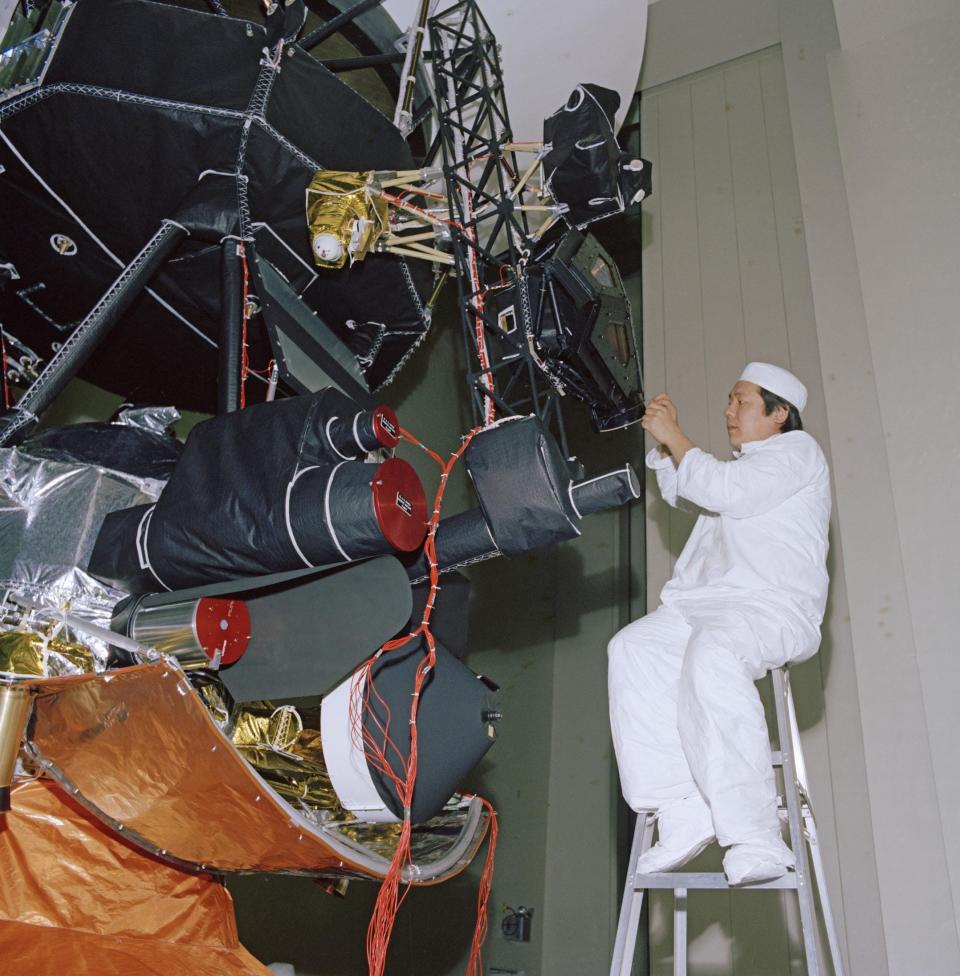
(780, 414)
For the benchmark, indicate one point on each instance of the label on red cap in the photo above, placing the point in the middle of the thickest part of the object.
(386, 427)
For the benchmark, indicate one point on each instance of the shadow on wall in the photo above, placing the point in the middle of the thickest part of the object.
(293, 920)
(810, 678)
(521, 592)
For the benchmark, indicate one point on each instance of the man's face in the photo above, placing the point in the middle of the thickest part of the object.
(746, 420)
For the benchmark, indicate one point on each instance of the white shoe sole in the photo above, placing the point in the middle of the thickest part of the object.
(659, 859)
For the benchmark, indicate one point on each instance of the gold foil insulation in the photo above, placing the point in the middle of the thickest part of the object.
(345, 216)
(429, 841)
(215, 697)
(283, 744)
(30, 652)
(284, 748)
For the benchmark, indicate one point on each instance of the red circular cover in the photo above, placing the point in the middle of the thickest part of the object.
(222, 625)
(400, 504)
(386, 426)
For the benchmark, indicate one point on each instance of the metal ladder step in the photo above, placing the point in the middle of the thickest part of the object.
(672, 880)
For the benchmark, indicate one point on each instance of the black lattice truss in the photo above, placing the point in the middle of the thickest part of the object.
(490, 218)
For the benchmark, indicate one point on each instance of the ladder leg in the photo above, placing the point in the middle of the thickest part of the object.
(816, 856)
(626, 941)
(813, 841)
(679, 932)
(808, 917)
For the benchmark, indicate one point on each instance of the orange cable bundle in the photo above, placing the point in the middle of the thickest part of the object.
(399, 201)
(479, 334)
(389, 898)
(475, 962)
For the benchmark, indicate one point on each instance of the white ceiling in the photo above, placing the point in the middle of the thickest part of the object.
(548, 48)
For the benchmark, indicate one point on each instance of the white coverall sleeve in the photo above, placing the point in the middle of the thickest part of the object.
(666, 472)
(751, 485)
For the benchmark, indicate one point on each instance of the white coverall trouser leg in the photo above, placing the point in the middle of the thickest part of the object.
(686, 715)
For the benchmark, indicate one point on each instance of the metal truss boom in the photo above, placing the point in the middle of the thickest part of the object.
(490, 224)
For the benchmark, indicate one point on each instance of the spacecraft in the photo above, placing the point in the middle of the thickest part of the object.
(195, 211)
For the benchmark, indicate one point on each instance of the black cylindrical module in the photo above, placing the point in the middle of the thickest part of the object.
(266, 490)
(466, 538)
(355, 510)
(609, 490)
(356, 434)
(461, 539)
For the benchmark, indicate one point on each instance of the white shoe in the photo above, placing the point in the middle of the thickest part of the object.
(762, 859)
(685, 829)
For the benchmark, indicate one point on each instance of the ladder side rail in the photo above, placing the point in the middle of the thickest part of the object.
(820, 875)
(799, 762)
(629, 920)
(808, 918)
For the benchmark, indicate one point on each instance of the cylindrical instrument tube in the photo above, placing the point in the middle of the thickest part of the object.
(606, 491)
(466, 538)
(199, 633)
(232, 312)
(359, 433)
(14, 710)
(354, 510)
(461, 539)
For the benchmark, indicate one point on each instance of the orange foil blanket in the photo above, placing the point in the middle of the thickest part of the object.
(75, 898)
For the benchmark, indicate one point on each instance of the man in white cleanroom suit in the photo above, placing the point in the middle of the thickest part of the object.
(747, 594)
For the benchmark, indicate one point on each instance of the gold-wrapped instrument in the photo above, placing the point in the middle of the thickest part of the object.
(346, 216)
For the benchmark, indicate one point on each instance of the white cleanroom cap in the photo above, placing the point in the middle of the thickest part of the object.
(777, 380)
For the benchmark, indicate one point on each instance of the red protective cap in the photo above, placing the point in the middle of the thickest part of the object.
(400, 504)
(222, 625)
(386, 427)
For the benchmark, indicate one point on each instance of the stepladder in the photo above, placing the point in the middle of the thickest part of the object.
(808, 880)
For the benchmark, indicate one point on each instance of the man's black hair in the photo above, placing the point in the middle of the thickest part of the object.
(770, 403)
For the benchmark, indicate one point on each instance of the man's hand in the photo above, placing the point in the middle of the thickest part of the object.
(660, 419)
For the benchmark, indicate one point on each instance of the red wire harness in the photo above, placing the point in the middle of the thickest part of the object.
(407, 194)
(399, 201)
(479, 292)
(378, 746)
(480, 335)
(244, 354)
(475, 962)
